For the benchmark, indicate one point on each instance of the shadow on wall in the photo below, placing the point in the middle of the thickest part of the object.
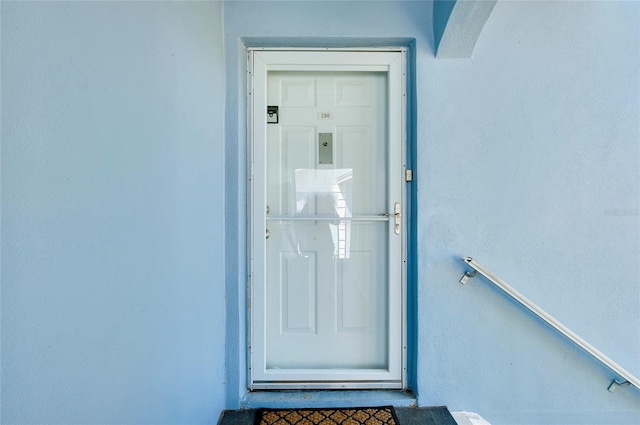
(441, 12)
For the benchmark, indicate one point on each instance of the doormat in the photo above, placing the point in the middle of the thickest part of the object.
(348, 416)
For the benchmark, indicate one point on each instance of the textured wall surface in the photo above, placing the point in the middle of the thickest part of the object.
(112, 259)
(124, 197)
(526, 158)
(529, 159)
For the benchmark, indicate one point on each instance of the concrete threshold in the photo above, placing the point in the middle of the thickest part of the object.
(330, 398)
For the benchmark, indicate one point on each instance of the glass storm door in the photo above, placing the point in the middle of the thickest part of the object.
(328, 221)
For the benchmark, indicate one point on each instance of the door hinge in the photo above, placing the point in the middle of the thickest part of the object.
(408, 175)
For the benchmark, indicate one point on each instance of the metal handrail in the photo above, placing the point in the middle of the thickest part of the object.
(478, 268)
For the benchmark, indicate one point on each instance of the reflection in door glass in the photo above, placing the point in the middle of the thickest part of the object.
(331, 193)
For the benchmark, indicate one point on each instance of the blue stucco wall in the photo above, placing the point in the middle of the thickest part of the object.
(112, 230)
(124, 196)
(526, 158)
(530, 162)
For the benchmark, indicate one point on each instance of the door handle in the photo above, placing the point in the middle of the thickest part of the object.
(396, 217)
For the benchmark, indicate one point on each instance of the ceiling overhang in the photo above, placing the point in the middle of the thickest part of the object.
(457, 25)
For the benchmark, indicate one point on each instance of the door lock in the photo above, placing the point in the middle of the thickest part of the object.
(325, 148)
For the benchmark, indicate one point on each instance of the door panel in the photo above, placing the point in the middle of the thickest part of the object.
(324, 311)
(328, 295)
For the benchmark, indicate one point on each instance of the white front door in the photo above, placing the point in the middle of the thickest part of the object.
(327, 240)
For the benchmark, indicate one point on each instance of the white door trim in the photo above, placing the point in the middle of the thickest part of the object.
(261, 61)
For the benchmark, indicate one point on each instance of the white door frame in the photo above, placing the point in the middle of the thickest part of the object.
(261, 61)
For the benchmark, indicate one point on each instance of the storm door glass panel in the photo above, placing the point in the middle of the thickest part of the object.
(327, 289)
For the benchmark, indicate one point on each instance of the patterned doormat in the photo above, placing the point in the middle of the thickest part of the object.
(351, 416)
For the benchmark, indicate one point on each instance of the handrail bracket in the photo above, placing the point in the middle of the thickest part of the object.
(615, 384)
(468, 275)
